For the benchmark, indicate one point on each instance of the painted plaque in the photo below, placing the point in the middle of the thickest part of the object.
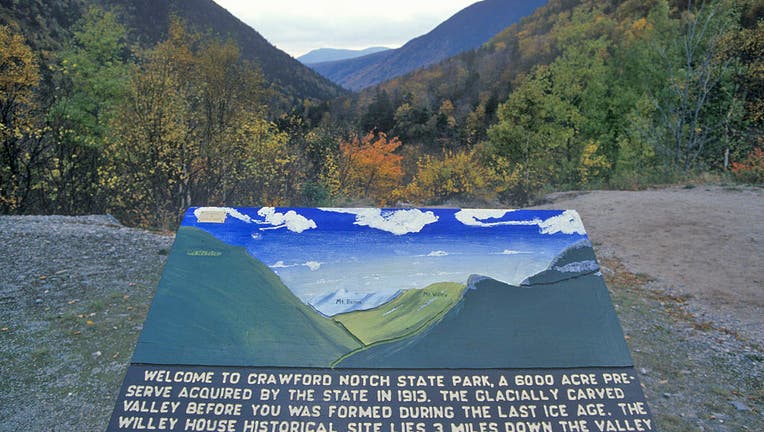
(381, 320)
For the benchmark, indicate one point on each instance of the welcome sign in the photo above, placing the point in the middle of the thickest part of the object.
(381, 320)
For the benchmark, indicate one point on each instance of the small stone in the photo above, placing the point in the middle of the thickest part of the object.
(667, 395)
(96, 354)
(643, 371)
(38, 301)
(740, 406)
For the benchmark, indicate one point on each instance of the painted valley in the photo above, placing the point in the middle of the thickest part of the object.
(368, 288)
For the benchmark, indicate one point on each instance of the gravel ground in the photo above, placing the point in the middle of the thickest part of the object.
(74, 292)
(73, 296)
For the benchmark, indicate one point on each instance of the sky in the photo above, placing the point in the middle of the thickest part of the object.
(299, 26)
(317, 252)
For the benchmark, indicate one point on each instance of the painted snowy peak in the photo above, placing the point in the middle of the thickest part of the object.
(343, 301)
(575, 260)
(474, 280)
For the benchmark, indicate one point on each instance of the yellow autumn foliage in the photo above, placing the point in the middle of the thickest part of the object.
(454, 175)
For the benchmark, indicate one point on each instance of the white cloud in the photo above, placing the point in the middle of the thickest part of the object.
(567, 223)
(398, 222)
(290, 220)
(438, 253)
(202, 212)
(300, 25)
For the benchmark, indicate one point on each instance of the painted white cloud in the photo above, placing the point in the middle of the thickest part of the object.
(290, 220)
(512, 252)
(567, 223)
(438, 253)
(478, 217)
(229, 211)
(398, 222)
(475, 217)
(313, 265)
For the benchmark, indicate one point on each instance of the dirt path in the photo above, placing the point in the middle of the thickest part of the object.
(704, 244)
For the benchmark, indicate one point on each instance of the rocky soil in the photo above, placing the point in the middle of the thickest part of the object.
(74, 292)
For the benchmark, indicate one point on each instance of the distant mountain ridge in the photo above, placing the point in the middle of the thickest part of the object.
(334, 54)
(466, 30)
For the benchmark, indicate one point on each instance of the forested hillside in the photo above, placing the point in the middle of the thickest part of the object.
(47, 26)
(581, 93)
(138, 114)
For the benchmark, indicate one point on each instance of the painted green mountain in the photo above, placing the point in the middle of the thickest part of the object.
(216, 305)
(564, 324)
(407, 314)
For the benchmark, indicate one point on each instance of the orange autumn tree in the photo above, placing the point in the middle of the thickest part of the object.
(369, 167)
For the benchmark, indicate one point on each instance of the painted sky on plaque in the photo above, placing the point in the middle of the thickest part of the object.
(382, 288)
(367, 256)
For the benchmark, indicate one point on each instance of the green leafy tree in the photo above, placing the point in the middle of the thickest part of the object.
(91, 81)
(549, 119)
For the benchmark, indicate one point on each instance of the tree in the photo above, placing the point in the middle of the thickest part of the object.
(380, 115)
(557, 117)
(20, 137)
(692, 107)
(192, 132)
(150, 158)
(742, 127)
(227, 95)
(369, 167)
(92, 78)
(454, 175)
